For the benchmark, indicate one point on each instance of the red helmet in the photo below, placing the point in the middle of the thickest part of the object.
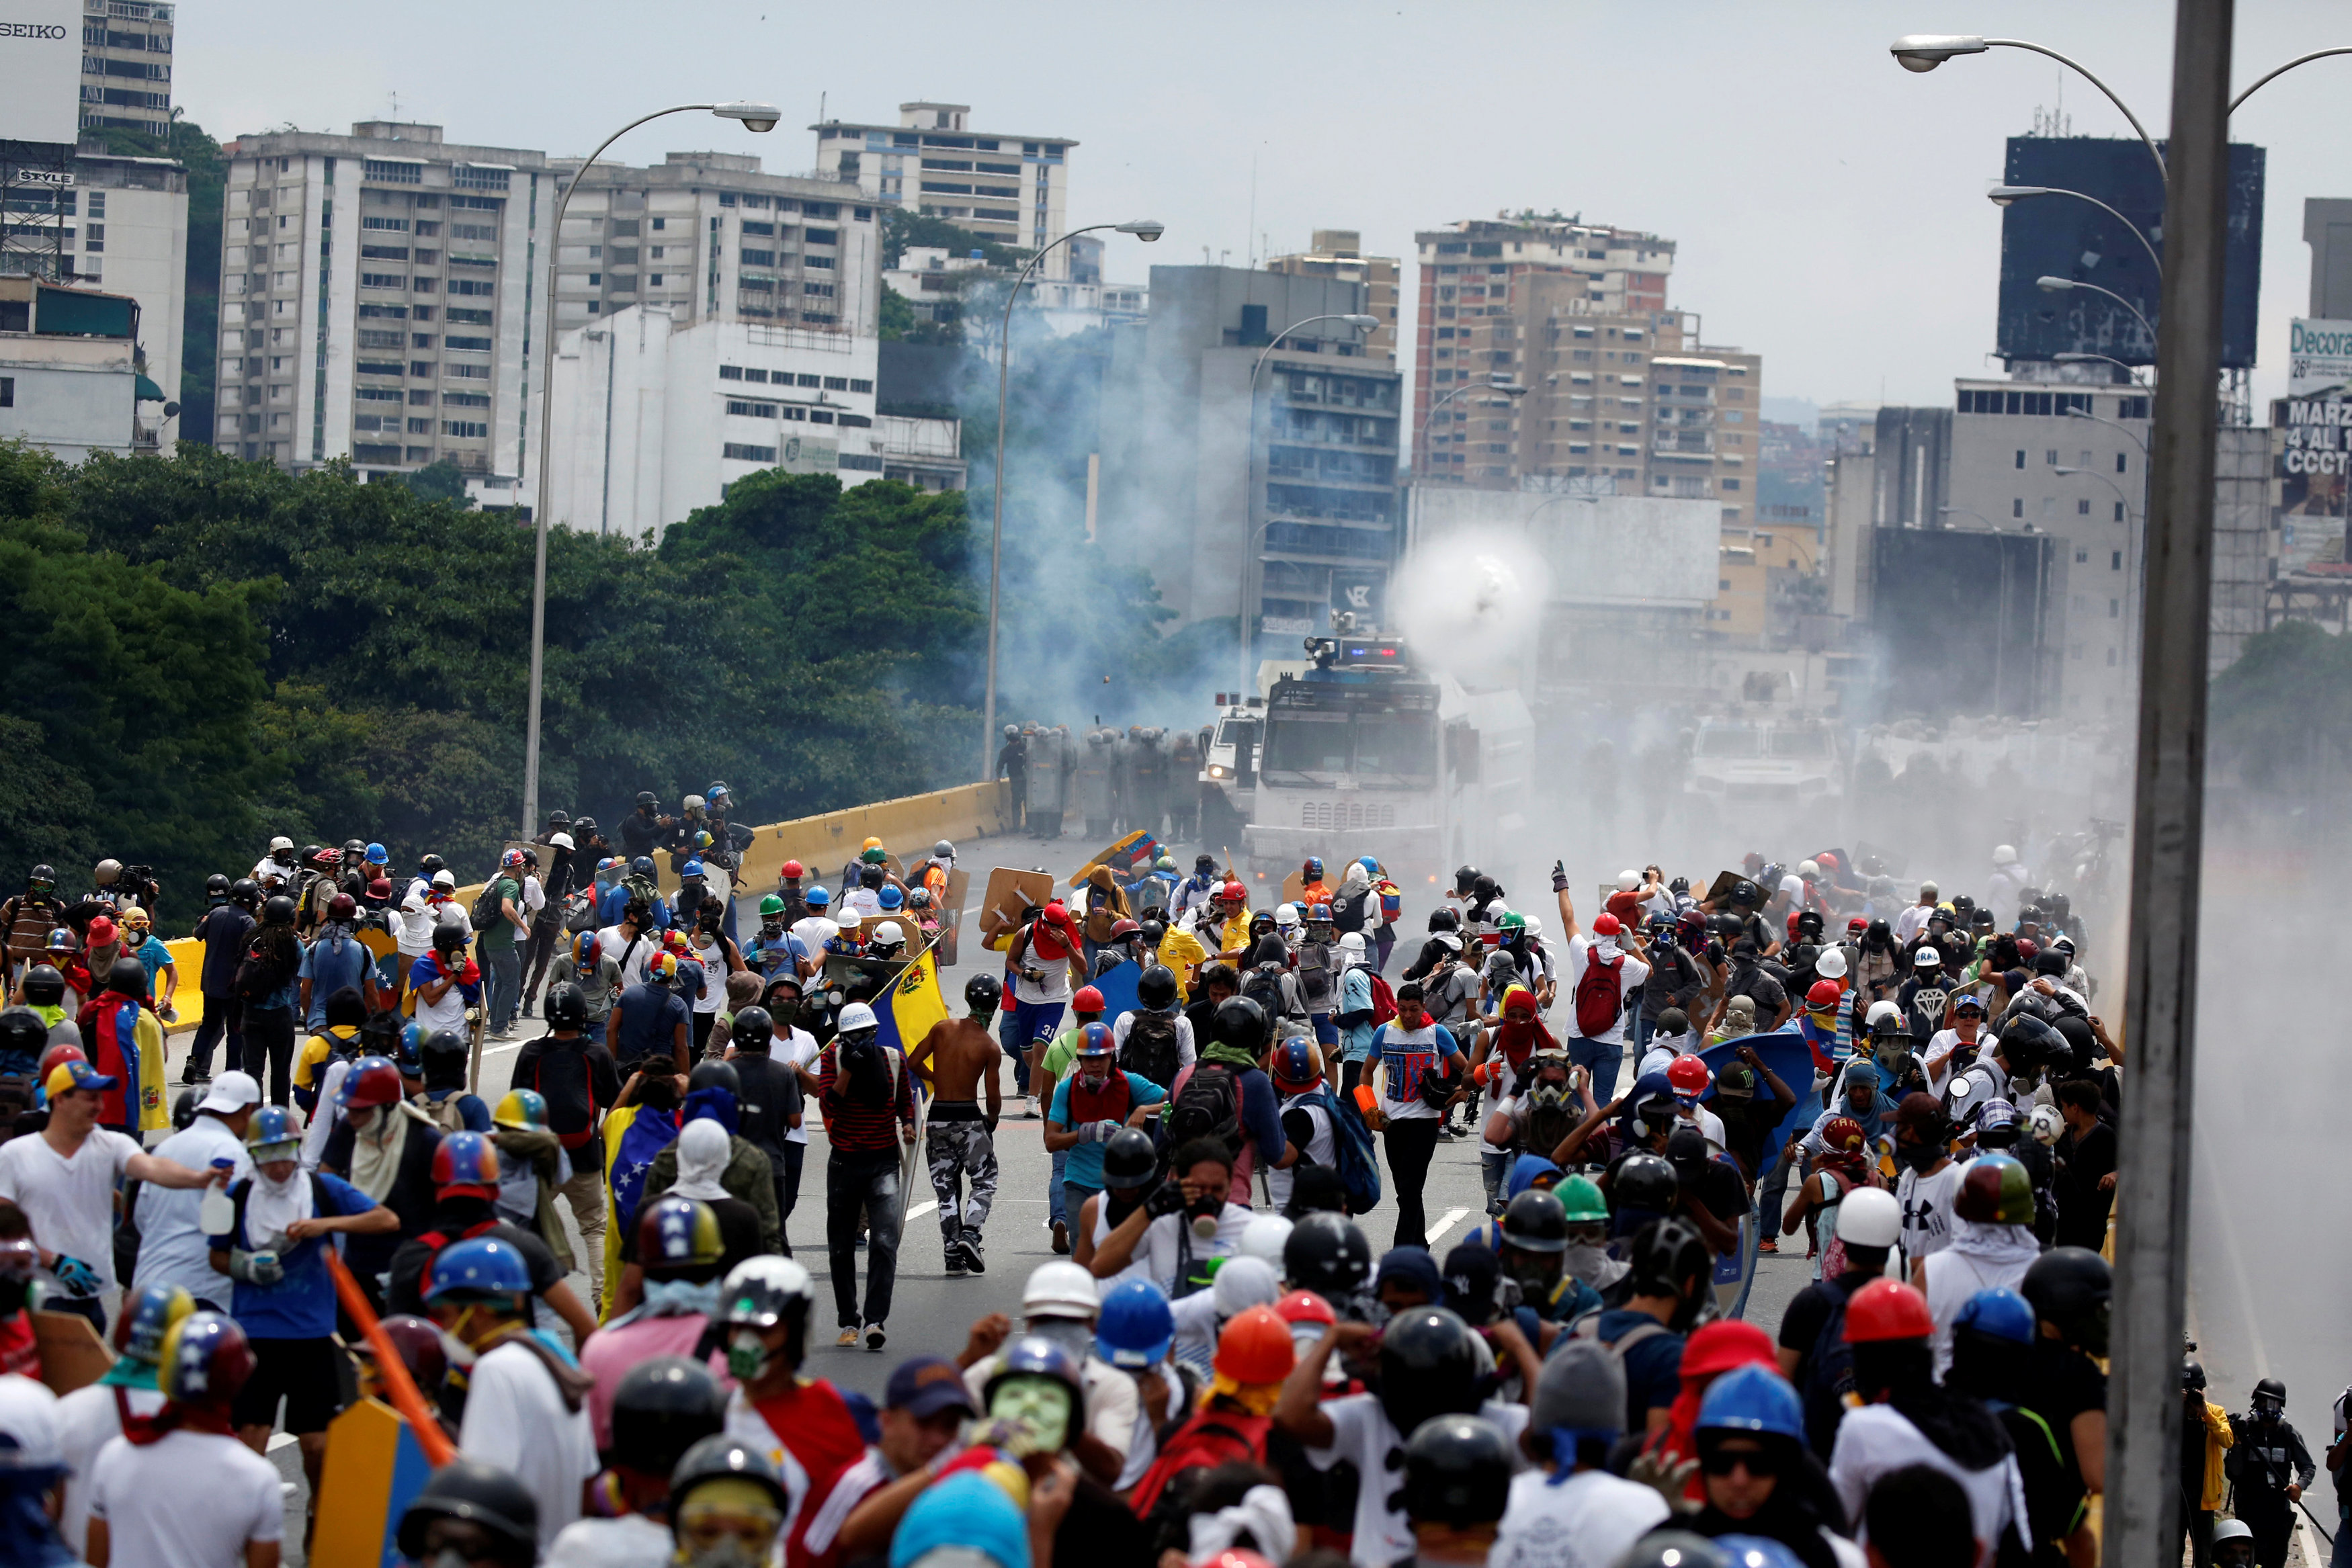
(794, 870)
(372, 1081)
(1124, 927)
(1304, 1307)
(464, 1160)
(1233, 892)
(343, 907)
(57, 1053)
(1884, 1310)
(1087, 1001)
(1822, 994)
(1255, 1347)
(1843, 1134)
(1688, 1077)
(1856, 926)
(1607, 925)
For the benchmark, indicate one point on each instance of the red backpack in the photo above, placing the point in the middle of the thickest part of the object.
(1600, 997)
(1383, 1002)
(1209, 1440)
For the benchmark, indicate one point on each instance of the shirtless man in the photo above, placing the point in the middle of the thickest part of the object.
(956, 1057)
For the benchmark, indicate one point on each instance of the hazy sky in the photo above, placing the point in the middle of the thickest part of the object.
(1829, 206)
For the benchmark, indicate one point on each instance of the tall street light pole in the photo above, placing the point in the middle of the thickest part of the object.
(2003, 195)
(1925, 51)
(1250, 566)
(1145, 229)
(1502, 386)
(2051, 283)
(755, 116)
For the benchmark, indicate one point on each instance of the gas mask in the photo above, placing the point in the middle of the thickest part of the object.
(1656, 1117)
(1039, 1408)
(1535, 1274)
(771, 931)
(748, 1355)
(1203, 1213)
(726, 1522)
(1549, 1092)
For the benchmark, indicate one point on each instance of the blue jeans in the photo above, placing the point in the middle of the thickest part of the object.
(1643, 1029)
(502, 974)
(1058, 1209)
(1603, 1058)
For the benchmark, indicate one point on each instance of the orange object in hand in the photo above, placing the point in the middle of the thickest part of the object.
(1364, 1100)
(1478, 1075)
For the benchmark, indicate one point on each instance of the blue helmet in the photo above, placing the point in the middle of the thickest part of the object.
(1295, 1061)
(272, 1124)
(1753, 1400)
(1997, 1313)
(891, 898)
(643, 865)
(377, 856)
(1135, 1325)
(818, 897)
(484, 1266)
(718, 788)
(691, 868)
(411, 1054)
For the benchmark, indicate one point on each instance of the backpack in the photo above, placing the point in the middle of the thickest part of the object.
(1151, 1049)
(579, 1136)
(1351, 1151)
(1392, 902)
(256, 979)
(1265, 990)
(1829, 1374)
(1600, 997)
(489, 906)
(1209, 1106)
(1209, 1440)
(1318, 975)
(1383, 1002)
(580, 911)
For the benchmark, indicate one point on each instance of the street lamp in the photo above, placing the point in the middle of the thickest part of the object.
(1247, 602)
(1963, 511)
(2003, 195)
(2111, 424)
(2128, 369)
(1925, 51)
(2049, 285)
(1493, 383)
(755, 116)
(1145, 229)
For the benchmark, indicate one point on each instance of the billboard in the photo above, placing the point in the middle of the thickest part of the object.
(1998, 585)
(2318, 357)
(2059, 237)
(40, 70)
(2311, 451)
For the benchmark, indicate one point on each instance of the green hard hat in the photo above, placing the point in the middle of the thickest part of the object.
(1583, 1200)
(771, 905)
(1512, 921)
(1165, 862)
(875, 857)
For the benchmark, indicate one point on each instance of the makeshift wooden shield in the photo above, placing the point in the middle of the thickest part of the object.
(72, 1355)
(952, 914)
(1718, 892)
(1009, 893)
(374, 1467)
(1123, 857)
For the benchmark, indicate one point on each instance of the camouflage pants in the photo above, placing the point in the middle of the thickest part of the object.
(962, 1150)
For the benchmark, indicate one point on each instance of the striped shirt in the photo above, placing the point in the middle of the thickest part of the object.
(860, 1129)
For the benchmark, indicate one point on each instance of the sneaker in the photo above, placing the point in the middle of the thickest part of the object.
(1767, 1245)
(1061, 1237)
(875, 1337)
(953, 1253)
(972, 1256)
(526, 1010)
(846, 1339)
(1445, 1134)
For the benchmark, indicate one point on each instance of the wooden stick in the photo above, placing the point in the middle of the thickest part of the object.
(391, 1370)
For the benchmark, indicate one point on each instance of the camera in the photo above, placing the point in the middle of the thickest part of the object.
(1165, 1199)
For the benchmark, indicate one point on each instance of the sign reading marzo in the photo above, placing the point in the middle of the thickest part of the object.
(40, 70)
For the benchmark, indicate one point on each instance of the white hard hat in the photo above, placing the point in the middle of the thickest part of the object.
(28, 1420)
(856, 1015)
(1627, 881)
(693, 803)
(1809, 870)
(1925, 957)
(1351, 942)
(280, 842)
(2003, 853)
(1928, 890)
(1286, 915)
(1244, 1282)
(560, 842)
(889, 931)
(1061, 1289)
(444, 879)
(1831, 965)
(1882, 1012)
(1869, 1217)
(2232, 1530)
(786, 1276)
(1535, 925)
(1264, 1237)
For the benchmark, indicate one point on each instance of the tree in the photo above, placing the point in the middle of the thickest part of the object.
(902, 228)
(441, 481)
(2283, 713)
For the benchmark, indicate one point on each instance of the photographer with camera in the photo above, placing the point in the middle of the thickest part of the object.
(1182, 1223)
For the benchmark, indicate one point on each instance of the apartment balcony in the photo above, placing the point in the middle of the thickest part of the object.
(1692, 442)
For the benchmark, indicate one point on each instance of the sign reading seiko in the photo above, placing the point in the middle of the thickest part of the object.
(2318, 357)
(40, 70)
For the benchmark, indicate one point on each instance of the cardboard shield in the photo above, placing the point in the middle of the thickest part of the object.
(1009, 892)
(374, 1467)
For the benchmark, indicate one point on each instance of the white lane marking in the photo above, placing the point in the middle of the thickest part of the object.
(921, 1209)
(1451, 1218)
(280, 1439)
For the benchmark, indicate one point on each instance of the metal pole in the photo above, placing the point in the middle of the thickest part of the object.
(2076, 66)
(546, 430)
(996, 529)
(2169, 806)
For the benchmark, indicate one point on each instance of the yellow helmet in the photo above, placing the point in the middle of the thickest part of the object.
(522, 1110)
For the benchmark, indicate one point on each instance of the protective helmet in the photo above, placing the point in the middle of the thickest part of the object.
(2192, 1371)
(1087, 1001)
(642, 866)
(1886, 1310)
(2226, 1530)
(1645, 1182)
(1122, 928)
(983, 993)
(1430, 1366)
(146, 1320)
(183, 1109)
(44, 987)
(1302, 1307)
(854, 1018)
(1254, 1347)
(819, 896)
(1926, 958)
(1754, 1399)
(1094, 1040)
(889, 937)
(370, 1081)
(891, 899)
(22, 1032)
(1824, 995)
(2269, 1395)
(1514, 922)
(691, 868)
(521, 1110)
(127, 978)
(1995, 1189)
(765, 1290)
(1327, 1254)
(61, 939)
(1129, 1159)
(1444, 917)
(216, 888)
(2001, 1314)
(1536, 1221)
(1581, 1199)
(484, 1265)
(662, 1408)
(1296, 1062)
(1060, 1289)
(273, 1127)
(204, 1360)
(676, 1233)
(1156, 988)
(869, 846)
(1688, 1077)
(1032, 1355)
(1602, 925)
(1668, 1255)
(567, 1005)
(920, 899)
(1233, 892)
(1457, 1472)
(716, 1072)
(45, 877)
(1884, 1016)
(1870, 1217)
(1312, 868)
(1240, 1021)
(791, 870)
(1285, 915)
(2071, 1288)
(754, 1031)
(479, 1493)
(449, 936)
(469, 1160)
(770, 904)
(1135, 1325)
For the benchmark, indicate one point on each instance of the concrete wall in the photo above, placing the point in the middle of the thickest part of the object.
(1630, 551)
(73, 397)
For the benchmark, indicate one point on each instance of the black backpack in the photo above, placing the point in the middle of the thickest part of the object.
(489, 906)
(1209, 1106)
(1264, 987)
(1828, 1375)
(1151, 1049)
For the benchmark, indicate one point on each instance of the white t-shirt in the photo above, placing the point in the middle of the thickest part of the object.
(515, 1420)
(1953, 1276)
(1362, 1433)
(815, 931)
(1588, 1520)
(1158, 1250)
(1946, 1053)
(1877, 1438)
(1053, 987)
(713, 959)
(1707, 1122)
(1927, 1211)
(87, 1419)
(71, 1202)
(321, 1124)
(534, 897)
(172, 1246)
(1908, 923)
(612, 942)
(189, 1500)
(627, 1542)
(797, 1049)
(1630, 979)
(1185, 1053)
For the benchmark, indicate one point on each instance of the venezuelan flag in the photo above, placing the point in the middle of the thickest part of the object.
(912, 1005)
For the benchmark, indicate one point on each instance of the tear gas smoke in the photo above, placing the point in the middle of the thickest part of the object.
(1471, 606)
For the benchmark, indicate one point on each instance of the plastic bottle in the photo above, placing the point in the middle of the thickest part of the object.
(218, 1212)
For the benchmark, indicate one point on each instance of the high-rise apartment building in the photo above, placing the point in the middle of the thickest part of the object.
(1013, 189)
(385, 295)
(1339, 253)
(128, 217)
(126, 65)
